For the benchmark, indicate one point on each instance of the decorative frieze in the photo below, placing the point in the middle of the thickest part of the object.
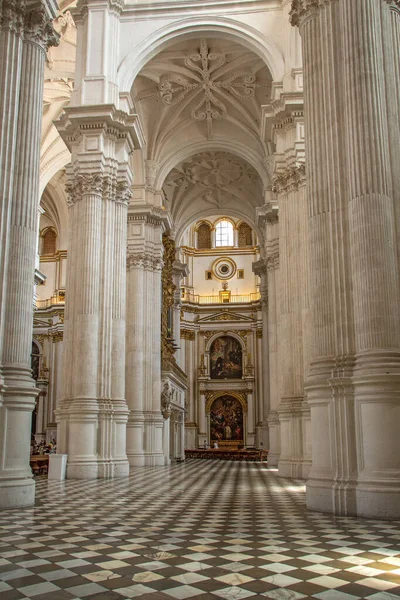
(289, 180)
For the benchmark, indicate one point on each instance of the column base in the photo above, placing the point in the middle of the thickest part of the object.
(274, 448)
(17, 493)
(135, 438)
(378, 502)
(338, 498)
(83, 470)
(294, 469)
(153, 439)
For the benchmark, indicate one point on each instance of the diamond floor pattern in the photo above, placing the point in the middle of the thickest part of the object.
(198, 530)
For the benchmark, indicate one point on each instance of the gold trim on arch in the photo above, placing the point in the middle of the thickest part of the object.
(202, 222)
(211, 396)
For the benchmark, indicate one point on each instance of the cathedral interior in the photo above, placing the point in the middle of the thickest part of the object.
(199, 299)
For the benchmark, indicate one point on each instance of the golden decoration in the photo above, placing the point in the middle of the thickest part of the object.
(202, 368)
(168, 292)
(213, 395)
(57, 337)
(259, 333)
(187, 334)
(249, 367)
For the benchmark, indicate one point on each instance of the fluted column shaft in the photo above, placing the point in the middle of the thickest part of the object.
(294, 414)
(353, 387)
(21, 118)
(373, 243)
(143, 335)
(93, 415)
(135, 360)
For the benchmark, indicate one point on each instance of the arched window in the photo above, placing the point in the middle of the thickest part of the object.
(49, 241)
(204, 236)
(224, 233)
(244, 235)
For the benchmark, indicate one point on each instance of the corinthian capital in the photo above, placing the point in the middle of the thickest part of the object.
(303, 9)
(12, 13)
(38, 28)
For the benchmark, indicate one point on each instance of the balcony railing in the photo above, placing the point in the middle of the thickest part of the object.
(221, 299)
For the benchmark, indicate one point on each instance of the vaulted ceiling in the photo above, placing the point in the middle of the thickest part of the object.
(212, 183)
(202, 89)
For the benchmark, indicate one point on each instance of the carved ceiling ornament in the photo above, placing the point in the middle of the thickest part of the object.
(204, 83)
(212, 170)
(218, 178)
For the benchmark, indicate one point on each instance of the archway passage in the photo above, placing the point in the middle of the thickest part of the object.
(226, 421)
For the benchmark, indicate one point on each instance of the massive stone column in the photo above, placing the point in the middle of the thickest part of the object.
(294, 413)
(25, 35)
(93, 414)
(146, 225)
(262, 360)
(354, 382)
(268, 220)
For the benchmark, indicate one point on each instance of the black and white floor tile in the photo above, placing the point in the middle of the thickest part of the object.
(201, 530)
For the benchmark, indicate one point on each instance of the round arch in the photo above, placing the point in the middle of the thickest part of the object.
(230, 29)
(231, 334)
(236, 149)
(239, 395)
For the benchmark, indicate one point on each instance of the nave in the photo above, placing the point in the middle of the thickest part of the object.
(200, 529)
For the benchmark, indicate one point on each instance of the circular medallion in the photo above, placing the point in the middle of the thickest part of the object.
(224, 268)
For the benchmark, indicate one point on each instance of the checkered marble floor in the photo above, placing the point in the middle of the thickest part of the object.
(200, 529)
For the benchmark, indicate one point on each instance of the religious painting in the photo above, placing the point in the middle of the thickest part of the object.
(225, 358)
(226, 420)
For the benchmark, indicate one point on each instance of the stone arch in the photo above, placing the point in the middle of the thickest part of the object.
(237, 149)
(139, 55)
(239, 395)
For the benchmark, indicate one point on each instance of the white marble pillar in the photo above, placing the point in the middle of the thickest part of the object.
(135, 369)
(268, 219)
(374, 258)
(24, 37)
(294, 413)
(146, 225)
(354, 382)
(93, 414)
(263, 358)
